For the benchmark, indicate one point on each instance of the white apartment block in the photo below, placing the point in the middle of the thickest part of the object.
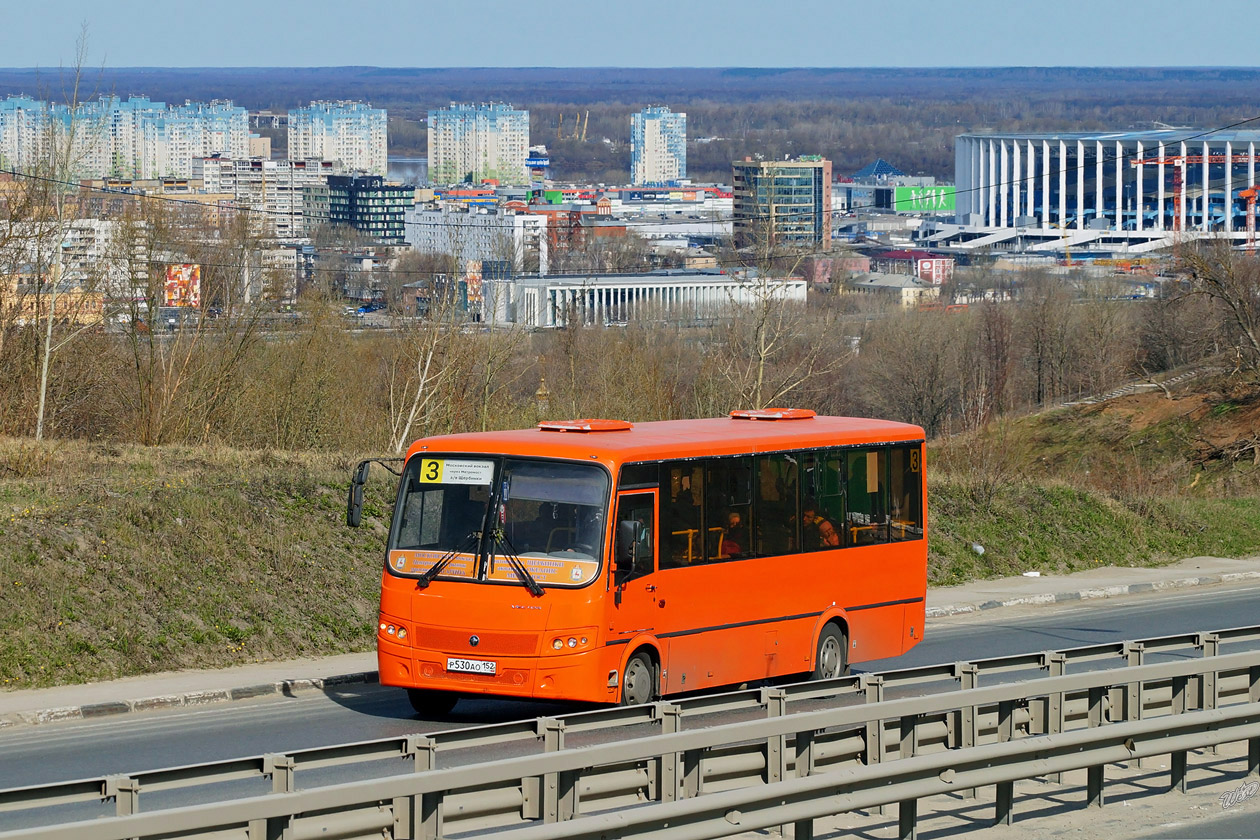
(473, 143)
(479, 234)
(272, 188)
(658, 146)
(132, 138)
(353, 135)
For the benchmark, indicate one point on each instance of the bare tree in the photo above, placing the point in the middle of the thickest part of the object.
(1233, 283)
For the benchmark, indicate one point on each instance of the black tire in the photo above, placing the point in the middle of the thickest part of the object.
(638, 681)
(831, 660)
(429, 703)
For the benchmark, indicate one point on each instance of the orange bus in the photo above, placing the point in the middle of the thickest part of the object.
(610, 562)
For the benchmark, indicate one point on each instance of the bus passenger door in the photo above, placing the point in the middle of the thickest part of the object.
(637, 606)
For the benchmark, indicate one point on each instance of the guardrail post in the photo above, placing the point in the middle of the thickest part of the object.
(775, 701)
(1211, 644)
(1135, 653)
(1253, 744)
(908, 809)
(1005, 805)
(408, 810)
(873, 685)
(668, 771)
(280, 768)
(1177, 761)
(968, 678)
(1094, 775)
(1056, 666)
(804, 829)
(126, 793)
(559, 790)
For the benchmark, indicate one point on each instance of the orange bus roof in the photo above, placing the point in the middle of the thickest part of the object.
(667, 439)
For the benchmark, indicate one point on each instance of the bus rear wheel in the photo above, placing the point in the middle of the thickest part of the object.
(430, 703)
(637, 681)
(832, 659)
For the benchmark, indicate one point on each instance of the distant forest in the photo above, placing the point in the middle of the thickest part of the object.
(851, 116)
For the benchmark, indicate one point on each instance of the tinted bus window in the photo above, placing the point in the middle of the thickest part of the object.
(906, 491)
(728, 505)
(681, 522)
(776, 511)
(867, 495)
(822, 501)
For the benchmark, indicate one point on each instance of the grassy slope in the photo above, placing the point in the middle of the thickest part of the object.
(123, 560)
(117, 561)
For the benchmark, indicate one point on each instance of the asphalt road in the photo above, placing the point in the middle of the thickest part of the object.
(143, 741)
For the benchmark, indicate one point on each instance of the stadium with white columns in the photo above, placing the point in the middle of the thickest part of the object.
(1114, 192)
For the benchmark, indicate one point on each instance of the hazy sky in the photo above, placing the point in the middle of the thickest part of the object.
(630, 33)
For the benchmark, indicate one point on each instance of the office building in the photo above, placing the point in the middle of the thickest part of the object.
(678, 296)
(475, 143)
(352, 135)
(783, 203)
(365, 202)
(483, 235)
(658, 146)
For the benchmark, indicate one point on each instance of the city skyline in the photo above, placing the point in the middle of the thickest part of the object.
(914, 33)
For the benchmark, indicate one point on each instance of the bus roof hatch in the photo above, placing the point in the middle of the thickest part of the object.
(587, 425)
(773, 414)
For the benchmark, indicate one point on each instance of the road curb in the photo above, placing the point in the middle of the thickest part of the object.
(1092, 593)
(288, 688)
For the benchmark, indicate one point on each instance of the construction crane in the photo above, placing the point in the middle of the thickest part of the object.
(1179, 164)
(1250, 195)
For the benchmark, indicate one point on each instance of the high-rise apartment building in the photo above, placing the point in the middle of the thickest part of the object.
(352, 135)
(132, 138)
(658, 146)
(783, 202)
(474, 143)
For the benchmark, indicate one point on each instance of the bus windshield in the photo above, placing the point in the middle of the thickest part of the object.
(478, 514)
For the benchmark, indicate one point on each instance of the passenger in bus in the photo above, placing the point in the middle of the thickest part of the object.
(810, 520)
(735, 537)
(828, 536)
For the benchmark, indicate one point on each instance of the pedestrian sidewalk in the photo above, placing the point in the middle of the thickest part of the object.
(196, 688)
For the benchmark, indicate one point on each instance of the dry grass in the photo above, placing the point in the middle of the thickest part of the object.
(125, 560)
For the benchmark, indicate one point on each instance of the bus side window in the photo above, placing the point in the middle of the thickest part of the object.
(867, 495)
(776, 512)
(636, 535)
(822, 502)
(681, 540)
(906, 490)
(728, 508)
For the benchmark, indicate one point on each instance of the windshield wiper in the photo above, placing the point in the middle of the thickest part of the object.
(425, 578)
(518, 565)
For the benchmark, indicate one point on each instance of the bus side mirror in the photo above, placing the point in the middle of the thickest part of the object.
(627, 542)
(354, 503)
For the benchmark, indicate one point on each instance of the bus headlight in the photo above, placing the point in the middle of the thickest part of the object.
(573, 641)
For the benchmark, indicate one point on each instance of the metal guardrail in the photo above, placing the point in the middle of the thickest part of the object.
(669, 763)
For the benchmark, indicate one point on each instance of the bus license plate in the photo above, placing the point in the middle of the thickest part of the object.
(470, 666)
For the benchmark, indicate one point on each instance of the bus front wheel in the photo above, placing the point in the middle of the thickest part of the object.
(637, 682)
(832, 659)
(430, 703)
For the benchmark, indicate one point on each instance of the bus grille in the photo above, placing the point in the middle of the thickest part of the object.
(491, 642)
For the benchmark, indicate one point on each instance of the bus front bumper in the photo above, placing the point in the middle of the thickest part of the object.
(581, 677)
